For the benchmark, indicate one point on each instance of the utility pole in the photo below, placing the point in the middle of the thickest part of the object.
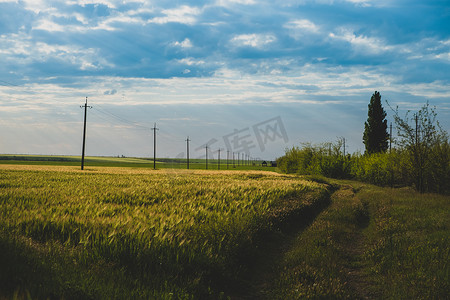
(228, 157)
(418, 157)
(154, 146)
(234, 166)
(390, 137)
(417, 131)
(187, 151)
(84, 133)
(390, 151)
(218, 163)
(206, 147)
(344, 145)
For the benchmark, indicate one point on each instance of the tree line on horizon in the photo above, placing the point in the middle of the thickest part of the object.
(420, 159)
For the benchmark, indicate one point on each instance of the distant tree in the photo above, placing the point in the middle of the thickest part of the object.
(375, 129)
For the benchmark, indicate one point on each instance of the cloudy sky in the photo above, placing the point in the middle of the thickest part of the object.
(244, 75)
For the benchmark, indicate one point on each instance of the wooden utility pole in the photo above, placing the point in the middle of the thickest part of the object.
(187, 151)
(206, 147)
(218, 163)
(154, 146)
(84, 133)
(234, 166)
(344, 145)
(417, 130)
(390, 137)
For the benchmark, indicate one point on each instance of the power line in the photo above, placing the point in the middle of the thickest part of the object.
(100, 116)
(119, 118)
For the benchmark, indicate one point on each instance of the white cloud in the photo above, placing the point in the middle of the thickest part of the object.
(183, 14)
(364, 3)
(15, 44)
(427, 49)
(374, 3)
(308, 83)
(303, 25)
(444, 56)
(49, 26)
(186, 43)
(24, 50)
(110, 3)
(80, 18)
(45, 20)
(253, 40)
(227, 3)
(191, 61)
(36, 6)
(116, 22)
(361, 43)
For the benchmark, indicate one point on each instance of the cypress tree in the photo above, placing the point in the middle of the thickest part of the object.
(375, 129)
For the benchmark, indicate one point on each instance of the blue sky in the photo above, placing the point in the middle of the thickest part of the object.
(243, 75)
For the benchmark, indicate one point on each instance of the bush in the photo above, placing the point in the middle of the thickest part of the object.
(395, 168)
(324, 159)
(381, 168)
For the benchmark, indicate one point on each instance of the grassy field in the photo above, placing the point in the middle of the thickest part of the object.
(122, 233)
(370, 243)
(130, 162)
(136, 233)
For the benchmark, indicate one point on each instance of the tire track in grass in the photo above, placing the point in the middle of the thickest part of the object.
(263, 267)
(318, 257)
(353, 245)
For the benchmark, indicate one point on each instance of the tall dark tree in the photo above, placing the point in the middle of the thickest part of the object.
(375, 129)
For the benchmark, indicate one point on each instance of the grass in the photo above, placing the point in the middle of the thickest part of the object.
(373, 243)
(129, 162)
(314, 266)
(192, 234)
(408, 243)
(135, 233)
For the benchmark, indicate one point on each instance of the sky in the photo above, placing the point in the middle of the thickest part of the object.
(243, 76)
